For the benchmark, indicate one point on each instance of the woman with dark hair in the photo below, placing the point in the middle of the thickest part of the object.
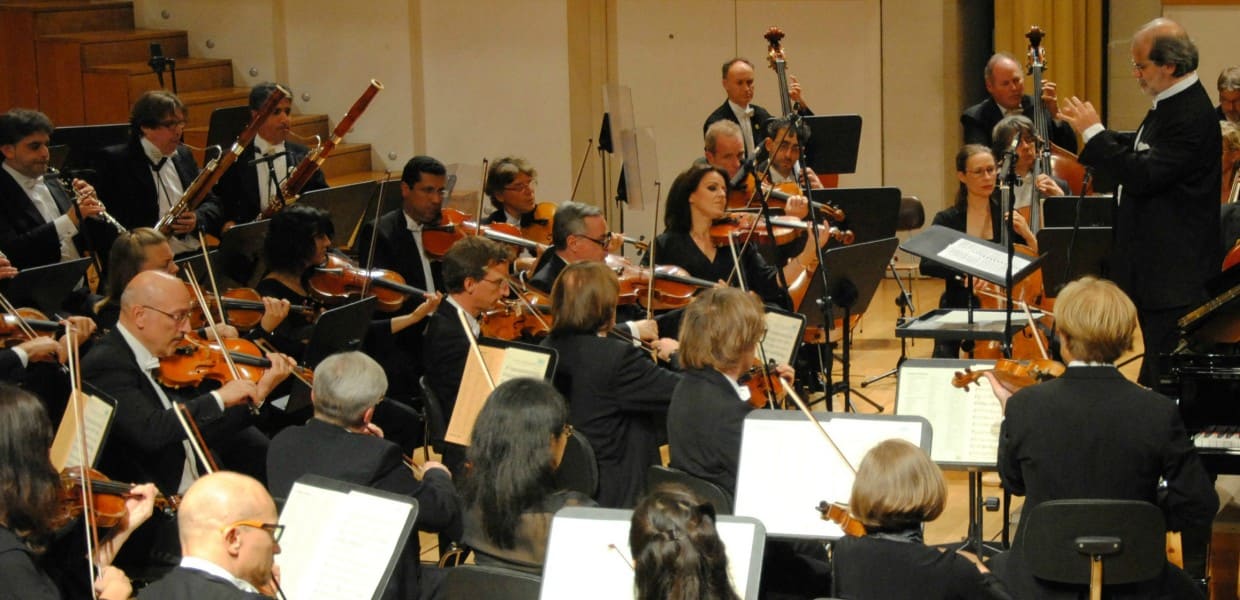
(617, 396)
(977, 213)
(510, 495)
(298, 240)
(39, 556)
(677, 554)
(697, 199)
(897, 489)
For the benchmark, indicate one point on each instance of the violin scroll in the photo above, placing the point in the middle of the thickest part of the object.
(840, 515)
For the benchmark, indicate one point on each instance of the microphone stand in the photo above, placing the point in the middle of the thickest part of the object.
(273, 179)
(1006, 206)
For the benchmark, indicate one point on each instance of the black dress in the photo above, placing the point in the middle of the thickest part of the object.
(677, 248)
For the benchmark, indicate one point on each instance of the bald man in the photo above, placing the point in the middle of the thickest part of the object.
(1169, 174)
(146, 442)
(229, 539)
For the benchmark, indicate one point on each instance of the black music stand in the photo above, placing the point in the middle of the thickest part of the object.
(1081, 211)
(347, 205)
(833, 143)
(853, 273)
(341, 329)
(226, 124)
(241, 253)
(870, 213)
(48, 287)
(85, 141)
(198, 263)
(1068, 259)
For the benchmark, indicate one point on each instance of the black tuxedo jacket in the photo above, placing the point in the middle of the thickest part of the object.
(144, 443)
(396, 250)
(980, 119)
(191, 584)
(28, 240)
(617, 397)
(1167, 223)
(237, 189)
(125, 184)
(758, 120)
(444, 349)
(704, 424)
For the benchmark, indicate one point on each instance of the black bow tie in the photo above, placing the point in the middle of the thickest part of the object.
(155, 166)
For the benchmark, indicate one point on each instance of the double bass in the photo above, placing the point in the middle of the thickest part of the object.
(1052, 159)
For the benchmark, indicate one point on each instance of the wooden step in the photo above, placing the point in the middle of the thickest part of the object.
(114, 88)
(358, 177)
(22, 23)
(347, 158)
(63, 57)
(199, 104)
(303, 125)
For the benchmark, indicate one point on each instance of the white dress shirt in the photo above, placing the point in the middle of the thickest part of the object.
(41, 197)
(168, 192)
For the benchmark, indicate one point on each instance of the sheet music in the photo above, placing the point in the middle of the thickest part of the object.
(960, 317)
(338, 545)
(966, 423)
(523, 363)
(983, 258)
(67, 445)
(782, 337)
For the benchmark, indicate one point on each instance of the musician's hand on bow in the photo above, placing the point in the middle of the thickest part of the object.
(239, 391)
(275, 310)
(427, 308)
(112, 584)
(785, 372)
(186, 223)
(7, 270)
(647, 330)
(1049, 100)
(43, 349)
(1080, 115)
(665, 348)
(372, 430)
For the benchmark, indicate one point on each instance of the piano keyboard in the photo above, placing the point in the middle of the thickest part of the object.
(1220, 437)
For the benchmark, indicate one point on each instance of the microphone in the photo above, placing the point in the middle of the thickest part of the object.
(758, 156)
(266, 158)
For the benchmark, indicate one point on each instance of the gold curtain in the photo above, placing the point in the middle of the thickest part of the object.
(1073, 44)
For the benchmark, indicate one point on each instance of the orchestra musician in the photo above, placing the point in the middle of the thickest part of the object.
(720, 331)
(976, 212)
(15, 359)
(146, 176)
(697, 198)
(40, 223)
(41, 558)
(1005, 84)
(475, 275)
(1229, 95)
(510, 187)
(1164, 248)
(677, 553)
(784, 144)
(724, 149)
(516, 446)
(898, 489)
(1026, 154)
(229, 538)
(738, 84)
(617, 396)
(342, 443)
(245, 190)
(1091, 433)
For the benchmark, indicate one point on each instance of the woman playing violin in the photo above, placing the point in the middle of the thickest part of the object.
(298, 240)
(698, 197)
(977, 213)
(616, 394)
(897, 489)
(720, 331)
(39, 557)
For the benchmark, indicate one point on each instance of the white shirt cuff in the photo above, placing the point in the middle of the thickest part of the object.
(65, 229)
(1091, 131)
(219, 400)
(632, 327)
(22, 356)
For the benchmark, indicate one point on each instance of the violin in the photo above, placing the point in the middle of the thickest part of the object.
(339, 280)
(764, 384)
(244, 308)
(513, 319)
(108, 498)
(743, 197)
(11, 331)
(724, 231)
(197, 360)
(673, 286)
(1013, 374)
(539, 229)
(454, 225)
(839, 514)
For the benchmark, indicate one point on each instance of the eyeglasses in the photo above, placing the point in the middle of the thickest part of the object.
(606, 241)
(501, 282)
(1140, 66)
(983, 172)
(521, 187)
(178, 317)
(172, 123)
(275, 529)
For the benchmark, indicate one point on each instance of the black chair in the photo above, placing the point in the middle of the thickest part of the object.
(473, 582)
(435, 425)
(579, 468)
(658, 475)
(912, 214)
(226, 124)
(1070, 541)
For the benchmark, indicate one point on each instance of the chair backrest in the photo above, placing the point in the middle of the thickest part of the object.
(436, 422)
(474, 582)
(579, 468)
(1052, 534)
(657, 475)
(226, 124)
(912, 214)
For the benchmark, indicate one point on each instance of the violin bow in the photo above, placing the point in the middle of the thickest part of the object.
(194, 436)
(809, 415)
(268, 349)
(658, 196)
(215, 289)
(88, 494)
(525, 302)
(21, 321)
(374, 233)
(473, 348)
(486, 172)
(232, 366)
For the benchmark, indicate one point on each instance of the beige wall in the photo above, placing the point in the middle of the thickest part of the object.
(1216, 44)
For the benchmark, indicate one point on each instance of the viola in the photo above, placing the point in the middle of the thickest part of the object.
(840, 515)
(339, 280)
(1013, 374)
(673, 286)
(108, 498)
(243, 306)
(197, 360)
